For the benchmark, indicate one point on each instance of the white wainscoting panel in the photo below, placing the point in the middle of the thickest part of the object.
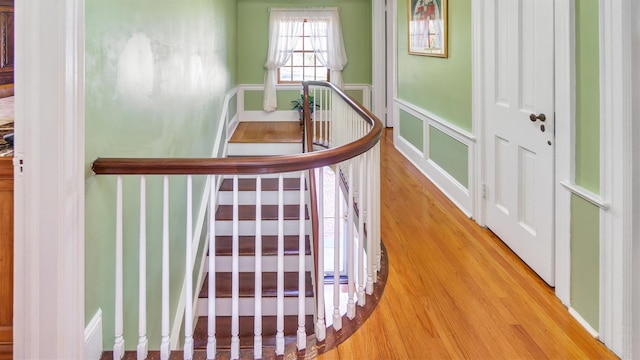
(452, 188)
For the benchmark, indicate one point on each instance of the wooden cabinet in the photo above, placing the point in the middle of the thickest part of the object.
(6, 256)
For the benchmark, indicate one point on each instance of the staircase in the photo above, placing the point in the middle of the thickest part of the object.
(259, 223)
(257, 138)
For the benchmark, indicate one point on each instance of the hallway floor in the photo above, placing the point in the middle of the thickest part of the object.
(455, 290)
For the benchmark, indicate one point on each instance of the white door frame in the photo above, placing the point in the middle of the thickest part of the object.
(614, 200)
(49, 193)
(378, 61)
(392, 60)
(616, 175)
(635, 319)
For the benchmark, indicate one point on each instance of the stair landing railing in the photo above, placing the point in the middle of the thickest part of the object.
(343, 136)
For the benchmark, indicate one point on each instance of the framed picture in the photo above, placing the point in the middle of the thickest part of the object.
(427, 28)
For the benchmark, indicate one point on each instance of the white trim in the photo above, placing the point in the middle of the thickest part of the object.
(476, 170)
(616, 175)
(260, 115)
(455, 191)
(378, 60)
(564, 142)
(392, 62)
(584, 323)
(93, 337)
(446, 127)
(587, 195)
(49, 251)
(635, 318)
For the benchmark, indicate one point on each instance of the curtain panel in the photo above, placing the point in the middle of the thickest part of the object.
(285, 29)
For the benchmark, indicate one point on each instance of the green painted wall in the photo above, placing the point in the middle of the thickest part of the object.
(587, 96)
(455, 160)
(357, 95)
(156, 75)
(441, 86)
(585, 260)
(585, 248)
(253, 99)
(253, 37)
(412, 130)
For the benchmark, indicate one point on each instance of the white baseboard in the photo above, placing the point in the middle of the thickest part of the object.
(279, 115)
(93, 337)
(457, 193)
(583, 323)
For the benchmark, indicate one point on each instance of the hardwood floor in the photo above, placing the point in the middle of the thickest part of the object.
(454, 289)
(267, 132)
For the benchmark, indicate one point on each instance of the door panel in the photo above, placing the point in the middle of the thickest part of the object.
(519, 151)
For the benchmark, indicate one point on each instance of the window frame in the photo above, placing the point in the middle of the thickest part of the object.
(304, 51)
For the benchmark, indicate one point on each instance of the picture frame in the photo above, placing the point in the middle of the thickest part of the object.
(427, 27)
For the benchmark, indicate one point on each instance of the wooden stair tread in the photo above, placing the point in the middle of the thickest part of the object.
(269, 212)
(247, 285)
(268, 184)
(247, 245)
(269, 328)
(267, 132)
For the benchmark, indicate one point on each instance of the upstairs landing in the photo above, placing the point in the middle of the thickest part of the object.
(266, 138)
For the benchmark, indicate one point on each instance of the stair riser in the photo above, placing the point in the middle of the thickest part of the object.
(264, 149)
(269, 263)
(294, 175)
(269, 227)
(268, 198)
(247, 306)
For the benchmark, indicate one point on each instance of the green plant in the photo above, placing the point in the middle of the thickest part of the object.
(298, 104)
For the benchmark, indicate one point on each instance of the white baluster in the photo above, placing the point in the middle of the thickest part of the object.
(351, 306)
(118, 346)
(280, 274)
(376, 196)
(321, 327)
(361, 235)
(257, 329)
(317, 93)
(368, 212)
(302, 335)
(337, 317)
(188, 308)
(211, 295)
(143, 346)
(165, 351)
(235, 276)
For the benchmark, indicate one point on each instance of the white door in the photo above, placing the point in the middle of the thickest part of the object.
(519, 128)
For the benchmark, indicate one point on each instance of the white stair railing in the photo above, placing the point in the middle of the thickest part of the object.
(349, 135)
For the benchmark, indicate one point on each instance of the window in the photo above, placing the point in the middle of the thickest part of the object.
(304, 65)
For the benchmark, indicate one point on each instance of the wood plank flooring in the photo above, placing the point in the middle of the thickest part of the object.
(455, 290)
(267, 132)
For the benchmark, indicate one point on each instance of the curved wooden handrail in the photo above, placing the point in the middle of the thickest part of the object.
(248, 165)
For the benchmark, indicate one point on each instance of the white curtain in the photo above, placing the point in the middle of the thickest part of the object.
(331, 54)
(285, 29)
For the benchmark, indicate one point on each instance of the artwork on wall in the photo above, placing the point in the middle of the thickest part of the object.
(427, 28)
